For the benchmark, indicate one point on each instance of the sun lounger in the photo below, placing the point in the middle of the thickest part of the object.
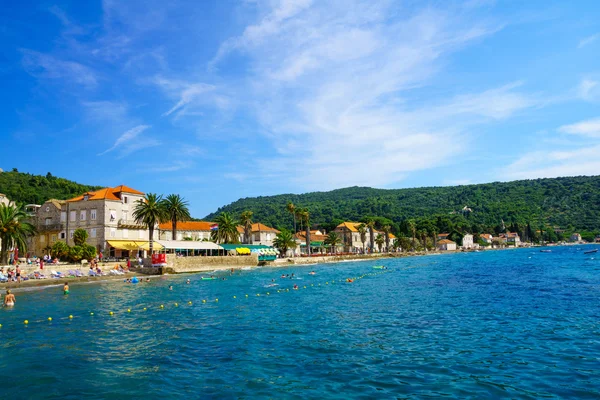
(78, 273)
(3, 277)
(55, 274)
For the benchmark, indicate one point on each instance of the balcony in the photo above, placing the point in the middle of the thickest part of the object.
(130, 224)
(51, 228)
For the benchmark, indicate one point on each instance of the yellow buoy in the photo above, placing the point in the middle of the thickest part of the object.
(204, 301)
(246, 295)
(144, 308)
(234, 297)
(176, 305)
(304, 287)
(25, 322)
(70, 317)
(161, 306)
(129, 310)
(49, 318)
(217, 300)
(190, 303)
(268, 293)
(111, 313)
(91, 313)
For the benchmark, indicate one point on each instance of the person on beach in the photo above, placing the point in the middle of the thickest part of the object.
(66, 288)
(18, 271)
(9, 299)
(41, 264)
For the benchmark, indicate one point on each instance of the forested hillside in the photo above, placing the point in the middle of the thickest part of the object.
(569, 204)
(24, 188)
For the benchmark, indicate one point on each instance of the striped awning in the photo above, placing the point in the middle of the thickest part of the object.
(133, 245)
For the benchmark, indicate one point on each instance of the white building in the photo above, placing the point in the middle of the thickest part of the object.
(259, 234)
(195, 230)
(575, 237)
(467, 241)
(446, 245)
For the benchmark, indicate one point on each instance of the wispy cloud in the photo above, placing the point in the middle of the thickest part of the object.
(129, 142)
(187, 93)
(173, 167)
(47, 66)
(588, 89)
(589, 128)
(588, 40)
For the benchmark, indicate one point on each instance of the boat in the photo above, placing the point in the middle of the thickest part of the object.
(545, 251)
(590, 251)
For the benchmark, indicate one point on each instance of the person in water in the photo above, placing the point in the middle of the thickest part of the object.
(66, 288)
(147, 279)
(9, 299)
(170, 287)
(188, 282)
(295, 287)
(312, 272)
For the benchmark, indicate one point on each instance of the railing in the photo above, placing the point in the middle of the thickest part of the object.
(130, 223)
(51, 227)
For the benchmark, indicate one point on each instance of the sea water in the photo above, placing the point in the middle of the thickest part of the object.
(514, 324)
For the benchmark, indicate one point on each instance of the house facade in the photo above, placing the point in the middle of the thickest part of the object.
(348, 232)
(446, 245)
(259, 234)
(194, 230)
(513, 239)
(575, 237)
(49, 220)
(467, 241)
(486, 238)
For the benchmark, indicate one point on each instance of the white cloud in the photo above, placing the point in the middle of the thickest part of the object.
(590, 128)
(588, 40)
(46, 66)
(129, 142)
(588, 89)
(331, 84)
(551, 164)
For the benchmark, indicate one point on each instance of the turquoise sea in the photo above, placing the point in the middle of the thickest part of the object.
(498, 324)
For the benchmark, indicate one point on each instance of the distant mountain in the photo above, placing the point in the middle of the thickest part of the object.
(24, 188)
(571, 203)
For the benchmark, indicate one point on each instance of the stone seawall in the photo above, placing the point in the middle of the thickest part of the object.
(182, 265)
(329, 259)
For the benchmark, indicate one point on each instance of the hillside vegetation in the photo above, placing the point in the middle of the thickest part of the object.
(24, 188)
(571, 204)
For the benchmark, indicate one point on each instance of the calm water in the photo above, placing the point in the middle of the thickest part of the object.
(518, 324)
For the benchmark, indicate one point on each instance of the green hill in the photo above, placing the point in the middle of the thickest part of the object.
(571, 204)
(24, 188)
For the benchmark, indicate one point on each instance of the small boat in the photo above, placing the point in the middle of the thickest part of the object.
(590, 251)
(545, 251)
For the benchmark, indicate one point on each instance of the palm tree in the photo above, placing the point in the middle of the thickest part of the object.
(177, 210)
(380, 240)
(396, 244)
(227, 231)
(412, 227)
(284, 241)
(150, 212)
(306, 217)
(13, 230)
(333, 240)
(362, 230)
(371, 226)
(246, 222)
(299, 214)
(386, 230)
(291, 208)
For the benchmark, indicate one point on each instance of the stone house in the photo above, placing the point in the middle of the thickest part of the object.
(467, 241)
(446, 245)
(259, 234)
(486, 238)
(575, 237)
(49, 220)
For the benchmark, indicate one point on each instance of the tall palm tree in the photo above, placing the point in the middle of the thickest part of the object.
(14, 230)
(380, 240)
(177, 209)
(284, 241)
(291, 208)
(386, 230)
(299, 215)
(306, 217)
(412, 227)
(371, 226)
(333, 240)
(150, 212)
(362, 230)
(227, 231)
(246, 222)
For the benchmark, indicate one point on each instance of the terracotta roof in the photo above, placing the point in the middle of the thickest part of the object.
(313, 238)
(443, 234)
(107, 194)
(187, 226)
(445, 241)
(263, 228)
(486, 235)
(351, 226)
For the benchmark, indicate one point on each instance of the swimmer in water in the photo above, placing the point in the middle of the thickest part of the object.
(295, 287)
(282, 276)
(188, 282)
(311, 272)
(349, 280)
(147, 279)
(66, 288)
(9, 299)
(170, 287)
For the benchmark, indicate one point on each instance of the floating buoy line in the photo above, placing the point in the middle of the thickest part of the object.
(48, 321)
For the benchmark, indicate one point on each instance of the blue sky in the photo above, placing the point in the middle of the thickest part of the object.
(227, 99)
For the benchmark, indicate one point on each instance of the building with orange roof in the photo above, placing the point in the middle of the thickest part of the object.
(446, 245)
(195, 230)
(260, 234)
(350, 235)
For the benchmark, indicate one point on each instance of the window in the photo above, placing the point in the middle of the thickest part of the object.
(73, 215)
(86, 197)
(83, 215)
(124, 215)
(141, 234)
(125, 233)
(48, 221)
(47, 208)
(179, 236)
(63, 216)
(93, 232)
(257, 237)
(113, 215)
(71, 232)
(63, 235)
(113, 232)
(53, 238)
(125, 199)
(42, 239)
(93, 214)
